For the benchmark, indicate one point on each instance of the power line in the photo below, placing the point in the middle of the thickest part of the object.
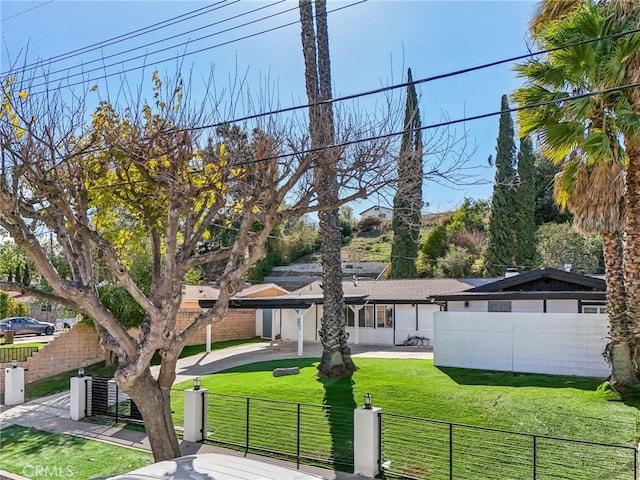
(119, 38)
(147, 54)
(441, 124)
(405, 84)
(420, 81)
(186, 54)
(25, 11)
(387, 135)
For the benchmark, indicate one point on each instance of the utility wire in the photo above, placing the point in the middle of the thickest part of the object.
(383, 136)
(172, 58)
(419, 81)
(147, 54)
(120, 38)
(27, 10)
(442, 124)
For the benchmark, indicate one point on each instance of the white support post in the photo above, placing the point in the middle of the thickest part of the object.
(195, 414)
(208, 339)
(13, 386)
(300, 324)
(78, 392)
(366, 441)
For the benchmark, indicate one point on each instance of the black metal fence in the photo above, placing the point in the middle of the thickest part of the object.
(105, 399)
(418, 448)
(304, 432)
(20, 354)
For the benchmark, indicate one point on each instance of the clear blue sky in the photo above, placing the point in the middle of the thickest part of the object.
(371, 44)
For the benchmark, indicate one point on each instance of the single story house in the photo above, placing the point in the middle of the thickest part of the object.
(383, 312)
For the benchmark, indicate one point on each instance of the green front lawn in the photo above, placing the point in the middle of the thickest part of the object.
(37, 454)
(538, 404)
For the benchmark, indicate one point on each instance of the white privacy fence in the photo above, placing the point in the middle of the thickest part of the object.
(549, 343)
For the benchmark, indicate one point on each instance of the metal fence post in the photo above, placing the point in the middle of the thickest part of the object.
(451, 451)
(204, 415)
(117, 403)
(247, 426)
(298, 441)
(535, 456)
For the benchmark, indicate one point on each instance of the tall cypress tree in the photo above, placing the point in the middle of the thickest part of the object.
(499, 253)
(525, 194)
(407, 203)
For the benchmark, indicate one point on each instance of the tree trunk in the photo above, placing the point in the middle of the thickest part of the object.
(154, 404)
(618, 350)
(336, 355)
(632, 243)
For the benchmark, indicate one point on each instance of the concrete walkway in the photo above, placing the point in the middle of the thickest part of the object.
(52, 414)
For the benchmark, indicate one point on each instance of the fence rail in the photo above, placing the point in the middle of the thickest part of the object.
(319, 433)
(105, 399)
(20, 354)
(419, 448)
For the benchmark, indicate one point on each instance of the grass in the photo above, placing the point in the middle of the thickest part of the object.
(568, 407)
(560, 406)
(60, 382)
(29, 344)
(368, 248)
(197, 349)
(37, 454)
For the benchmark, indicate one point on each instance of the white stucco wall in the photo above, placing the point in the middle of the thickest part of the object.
(562, 306)
(552, 343)
(517, 306)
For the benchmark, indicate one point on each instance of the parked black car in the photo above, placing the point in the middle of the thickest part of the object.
(26, 325)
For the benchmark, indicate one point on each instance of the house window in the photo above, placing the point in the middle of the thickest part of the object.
(384, 316)
(45, 307)
(365, 316)
(499, 306)
(349, 316)
(594, 308)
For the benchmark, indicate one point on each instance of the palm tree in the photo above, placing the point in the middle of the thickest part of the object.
(594, 193)
(336, 359)
(585, 136)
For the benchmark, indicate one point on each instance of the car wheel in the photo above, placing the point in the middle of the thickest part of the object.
(48, 331)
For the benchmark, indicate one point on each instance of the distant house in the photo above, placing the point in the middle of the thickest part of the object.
(377, 211)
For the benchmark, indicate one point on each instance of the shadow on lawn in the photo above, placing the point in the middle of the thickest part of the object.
(31, 441)
(465, 376)
(339, 394)
(271, 365)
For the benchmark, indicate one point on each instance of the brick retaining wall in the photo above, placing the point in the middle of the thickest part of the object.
(78, 347)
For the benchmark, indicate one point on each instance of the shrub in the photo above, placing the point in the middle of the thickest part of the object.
(369, 223)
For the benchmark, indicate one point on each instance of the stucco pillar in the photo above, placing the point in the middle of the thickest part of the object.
(13, 386)
(78, 396)
(366, 441)
(195, 414)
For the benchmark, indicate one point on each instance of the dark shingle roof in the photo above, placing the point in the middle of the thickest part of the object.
(399, 291)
